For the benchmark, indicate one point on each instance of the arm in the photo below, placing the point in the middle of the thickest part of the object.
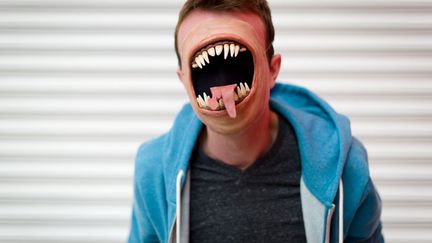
(366, 225)
(141, 229)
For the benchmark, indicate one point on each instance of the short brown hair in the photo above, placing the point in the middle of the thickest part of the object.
(259, 7)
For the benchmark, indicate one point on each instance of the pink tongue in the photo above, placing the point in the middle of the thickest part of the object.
(227, 94)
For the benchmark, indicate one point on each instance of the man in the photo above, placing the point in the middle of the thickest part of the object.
(249, 160)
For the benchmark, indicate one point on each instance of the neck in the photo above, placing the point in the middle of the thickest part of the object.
(242, 149)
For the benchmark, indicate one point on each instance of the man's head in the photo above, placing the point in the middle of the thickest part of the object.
(226, 61)
(260, 7)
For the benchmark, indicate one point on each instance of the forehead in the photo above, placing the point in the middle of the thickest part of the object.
(211, 19)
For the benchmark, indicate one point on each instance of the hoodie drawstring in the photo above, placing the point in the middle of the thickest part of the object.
(178, 207)
(341, 196)
(178, 204)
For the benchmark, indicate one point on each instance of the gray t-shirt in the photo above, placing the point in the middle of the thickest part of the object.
(260, 204)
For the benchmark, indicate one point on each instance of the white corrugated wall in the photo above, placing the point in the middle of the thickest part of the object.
(83, 83)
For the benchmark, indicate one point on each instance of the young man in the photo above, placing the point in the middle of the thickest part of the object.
(249, 160)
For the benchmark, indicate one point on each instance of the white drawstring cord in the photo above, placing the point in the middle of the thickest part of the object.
(178, 207)
(178, 204)
(341, 233)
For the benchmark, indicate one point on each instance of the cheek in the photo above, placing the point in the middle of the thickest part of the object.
(263, 75)
(187, 78)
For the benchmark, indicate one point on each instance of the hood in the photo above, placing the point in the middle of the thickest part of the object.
(324, 138)
(323, 135)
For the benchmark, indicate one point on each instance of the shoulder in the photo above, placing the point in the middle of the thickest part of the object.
(356, 169)
(149, 158)
(153, 154)
(363, 203)
(150, 150)
(357, 157)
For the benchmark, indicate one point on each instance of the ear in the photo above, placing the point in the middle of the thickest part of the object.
(275, 65)
(180, 75)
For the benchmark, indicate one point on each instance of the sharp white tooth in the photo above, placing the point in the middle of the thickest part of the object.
(247, 87)
(242, 49)
(201, 59)
(205, 56)
(239, 93)
(236, 51)
(194, 65)
(226, 50)
(197, 61)
(221, 104)
(219, 49)
(236, 98)
(206, 98)
(232, 49)
(204, 103)
(201, 101)
(242, 89)
(211, 52)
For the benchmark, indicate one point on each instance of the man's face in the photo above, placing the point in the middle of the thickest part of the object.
(223, 54)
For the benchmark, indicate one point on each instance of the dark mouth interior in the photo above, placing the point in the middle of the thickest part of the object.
(220, 71)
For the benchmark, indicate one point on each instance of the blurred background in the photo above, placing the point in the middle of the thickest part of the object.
(84, 83)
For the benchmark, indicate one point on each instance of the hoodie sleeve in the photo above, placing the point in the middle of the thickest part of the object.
(142, 224)
(366, 225)
(141, 229)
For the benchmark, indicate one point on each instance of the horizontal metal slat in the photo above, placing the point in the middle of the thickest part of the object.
(72, 212)
(62, 170)
(404, 172)
(416, 149)
(45, 128)
(164, 42)
(169, 64)
(65, 191)
(168, 19)
(168, 84)
(90, 105)
(62, 234)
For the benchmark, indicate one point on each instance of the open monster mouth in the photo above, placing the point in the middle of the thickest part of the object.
(222, 75)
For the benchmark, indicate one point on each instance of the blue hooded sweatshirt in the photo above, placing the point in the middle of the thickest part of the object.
(339, 201)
